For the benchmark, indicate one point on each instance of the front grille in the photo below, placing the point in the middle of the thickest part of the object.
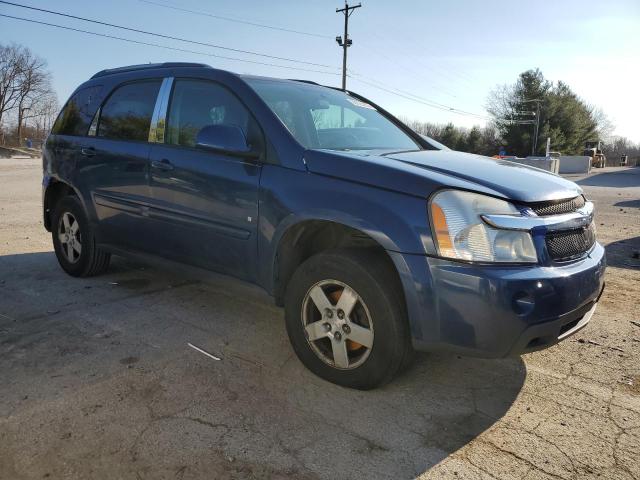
(568, 244)
(557, 207)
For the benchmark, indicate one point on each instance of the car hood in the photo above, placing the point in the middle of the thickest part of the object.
(421, 172)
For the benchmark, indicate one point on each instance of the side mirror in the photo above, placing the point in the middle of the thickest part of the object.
(226, 139)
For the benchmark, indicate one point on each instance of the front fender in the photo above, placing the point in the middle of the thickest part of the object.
(396, 221)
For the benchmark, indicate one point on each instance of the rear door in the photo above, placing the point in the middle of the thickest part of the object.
(205, 204)
(63, 146)
(113, 163)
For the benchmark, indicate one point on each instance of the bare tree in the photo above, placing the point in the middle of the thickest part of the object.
(43, 115)
(10, 70)
(25, 86)
(616, 146)
(605, 125)
(35, 87)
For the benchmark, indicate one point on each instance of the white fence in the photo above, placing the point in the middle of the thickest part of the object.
(566, 164)
(545, 163)
(575, 164)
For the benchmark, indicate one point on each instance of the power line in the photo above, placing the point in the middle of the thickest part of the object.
(377, 84)
(139, 42)
(411, 70)
(414, 99)
(169, 37)
(237, 20)
(347, 12)
(410, 96)
(273, 27)
(449, 73)
(431, 103)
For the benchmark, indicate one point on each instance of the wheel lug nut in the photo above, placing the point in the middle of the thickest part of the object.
(329, 313)
(337, 336)
(327, 326)
(340, 314)
(346, 329)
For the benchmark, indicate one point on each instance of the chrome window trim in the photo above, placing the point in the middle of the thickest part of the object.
(93, 128)
(567, 221)
(159, 118)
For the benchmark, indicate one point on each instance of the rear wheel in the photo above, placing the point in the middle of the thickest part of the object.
(346, 319)
(73, 240)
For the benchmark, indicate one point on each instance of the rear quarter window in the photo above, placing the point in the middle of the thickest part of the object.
(76, 116)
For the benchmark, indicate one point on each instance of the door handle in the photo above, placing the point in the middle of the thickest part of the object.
(88, 151)
(163, 164)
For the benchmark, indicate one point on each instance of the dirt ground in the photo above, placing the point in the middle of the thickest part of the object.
(97, 380)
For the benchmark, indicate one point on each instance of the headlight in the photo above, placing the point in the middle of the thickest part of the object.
(460, 233)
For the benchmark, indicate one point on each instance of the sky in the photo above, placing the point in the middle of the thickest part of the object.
(443, 55)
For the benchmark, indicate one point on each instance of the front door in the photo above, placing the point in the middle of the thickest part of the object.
(205, 204)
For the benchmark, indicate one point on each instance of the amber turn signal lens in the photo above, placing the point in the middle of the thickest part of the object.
(443, 240)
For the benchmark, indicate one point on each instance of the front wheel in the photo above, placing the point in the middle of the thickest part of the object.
(346, 318)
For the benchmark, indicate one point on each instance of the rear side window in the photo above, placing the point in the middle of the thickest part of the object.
(198, 103)
(126, 115)
(75, 117)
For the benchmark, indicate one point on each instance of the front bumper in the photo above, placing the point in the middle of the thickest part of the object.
(497, 311)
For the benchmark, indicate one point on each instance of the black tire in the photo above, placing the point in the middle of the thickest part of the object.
(372, 276)
(91, 260)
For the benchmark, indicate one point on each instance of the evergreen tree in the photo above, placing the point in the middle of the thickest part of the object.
(473, 143)
(564, 117)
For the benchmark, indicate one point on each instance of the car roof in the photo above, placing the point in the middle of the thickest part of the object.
(155, 66)
(148, 66)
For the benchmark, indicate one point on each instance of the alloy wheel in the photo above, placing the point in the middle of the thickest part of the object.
(69, 236)
(337, 324)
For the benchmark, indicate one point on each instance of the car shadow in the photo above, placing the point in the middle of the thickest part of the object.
(624, 253)
(628, 204)
(624, 178)
(111, 353)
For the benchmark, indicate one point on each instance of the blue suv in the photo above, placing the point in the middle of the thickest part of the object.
(377, 241)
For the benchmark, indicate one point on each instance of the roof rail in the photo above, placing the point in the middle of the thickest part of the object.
(147, 66)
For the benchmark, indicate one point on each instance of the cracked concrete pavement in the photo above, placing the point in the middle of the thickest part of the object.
(97, 380)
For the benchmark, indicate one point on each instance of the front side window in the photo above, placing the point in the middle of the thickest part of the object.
(127, 113)
(321, 117)
(196, 104)
(75, 117)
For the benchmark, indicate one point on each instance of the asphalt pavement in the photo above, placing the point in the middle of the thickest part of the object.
(97, 378)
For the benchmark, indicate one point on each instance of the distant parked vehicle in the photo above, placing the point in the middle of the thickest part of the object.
(376, 240)
(594, 150)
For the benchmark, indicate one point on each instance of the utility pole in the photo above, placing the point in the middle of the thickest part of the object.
(534, 141)
(345, 42)
(535, 136)
(21, 115)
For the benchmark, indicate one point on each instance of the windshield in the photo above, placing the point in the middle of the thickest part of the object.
(320, 117)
